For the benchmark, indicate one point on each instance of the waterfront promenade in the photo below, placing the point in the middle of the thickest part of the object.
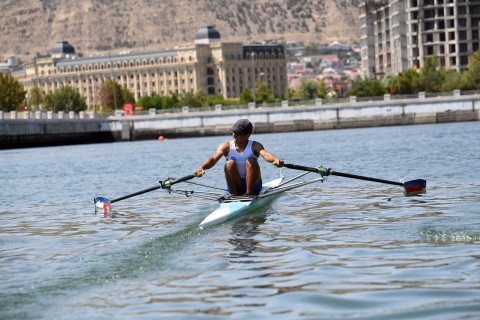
(47, 129)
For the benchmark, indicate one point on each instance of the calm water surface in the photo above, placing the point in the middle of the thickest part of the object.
(342, 249)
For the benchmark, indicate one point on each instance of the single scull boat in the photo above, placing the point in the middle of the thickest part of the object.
(229, 206)
(232, 206)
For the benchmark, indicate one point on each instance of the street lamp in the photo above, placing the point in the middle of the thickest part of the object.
(26, 101)
(254, 79)
(399, 62)
(113, 82)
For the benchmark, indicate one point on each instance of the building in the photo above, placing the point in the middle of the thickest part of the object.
(215, 67)
(11, 64)
(397, 35)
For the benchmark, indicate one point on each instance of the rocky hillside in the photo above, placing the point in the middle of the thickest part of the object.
(29, 27)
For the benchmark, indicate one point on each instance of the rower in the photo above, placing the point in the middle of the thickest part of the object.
(242, 171)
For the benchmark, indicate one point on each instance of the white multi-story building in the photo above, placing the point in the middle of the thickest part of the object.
(400, 34)
(215, 67)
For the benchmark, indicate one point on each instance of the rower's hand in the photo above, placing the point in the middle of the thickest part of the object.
(278, 163)
(199, 173)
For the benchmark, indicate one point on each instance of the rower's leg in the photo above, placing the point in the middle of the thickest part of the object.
(232, 176)
(253, 175)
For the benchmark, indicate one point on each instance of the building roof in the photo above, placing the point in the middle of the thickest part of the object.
(207, 34)
(117, 58)
(62, 47)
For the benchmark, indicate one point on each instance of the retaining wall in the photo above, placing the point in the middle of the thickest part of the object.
(43, 131)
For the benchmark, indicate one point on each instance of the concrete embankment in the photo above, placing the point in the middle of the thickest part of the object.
(15, 133)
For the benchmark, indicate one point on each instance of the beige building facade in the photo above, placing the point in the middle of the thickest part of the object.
(209, 65)
(400, 34)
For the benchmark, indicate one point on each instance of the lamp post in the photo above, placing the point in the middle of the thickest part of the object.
(26, 102)
(254, 79)
(399, 62)
(113, 82)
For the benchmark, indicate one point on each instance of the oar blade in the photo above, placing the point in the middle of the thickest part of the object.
(415, 187)
(103, 204)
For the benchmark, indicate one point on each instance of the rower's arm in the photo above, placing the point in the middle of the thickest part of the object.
(222, 151)
(267, 155)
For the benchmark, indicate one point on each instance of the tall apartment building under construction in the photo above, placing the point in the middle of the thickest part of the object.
(397, 35)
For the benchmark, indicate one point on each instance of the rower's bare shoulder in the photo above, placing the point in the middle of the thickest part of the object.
(257, 146)
(224, 147)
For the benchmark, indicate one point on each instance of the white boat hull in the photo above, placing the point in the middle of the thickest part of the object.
(228, 210)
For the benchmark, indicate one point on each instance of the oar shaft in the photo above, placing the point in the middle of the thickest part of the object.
(354, 176)
(137, 193)
(163, 185)
(327, 172)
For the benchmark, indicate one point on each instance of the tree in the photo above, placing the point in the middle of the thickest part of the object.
(431, 79)
(409, 82)
(307, 89)
(262, 91)
(214, 100)
(472, 75)
(12, 93)
(322, 89)
(65, 99)
(146, 102)
(366, 88)
(246, 96)
(201, 97)
(126, 96)
(112, 96)
(35, 98)
(453, 80)
(189, 99)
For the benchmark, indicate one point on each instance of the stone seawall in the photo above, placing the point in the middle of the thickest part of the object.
(17, 133)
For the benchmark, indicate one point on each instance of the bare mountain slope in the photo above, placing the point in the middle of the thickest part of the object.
(29, 27)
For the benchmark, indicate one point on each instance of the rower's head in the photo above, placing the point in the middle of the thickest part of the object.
(242, 127)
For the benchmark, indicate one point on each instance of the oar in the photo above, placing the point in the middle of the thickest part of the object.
(411, 187)
(104, 203)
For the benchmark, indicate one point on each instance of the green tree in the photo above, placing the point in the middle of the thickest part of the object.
(262, 91)
(12, 93)
(65, 99)
(366, 88)
(409, 81)
(290, 94)
(126, 96)
(146, 102)
(453, 80)
(35, 97)
(156, 101)
(322, 89)
(189, 99)
(246, 96)
(112, 96)
(308, 89)
(214, 100)
(472, 75)
(431, 79)
(201, 97)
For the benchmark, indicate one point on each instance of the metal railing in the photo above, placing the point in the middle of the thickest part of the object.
(41, 115)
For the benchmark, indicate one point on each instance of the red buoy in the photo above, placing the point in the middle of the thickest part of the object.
(161, 138)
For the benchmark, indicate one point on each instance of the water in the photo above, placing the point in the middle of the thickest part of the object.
(342, 249)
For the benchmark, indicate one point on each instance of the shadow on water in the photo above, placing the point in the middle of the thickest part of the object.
(156, 255)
